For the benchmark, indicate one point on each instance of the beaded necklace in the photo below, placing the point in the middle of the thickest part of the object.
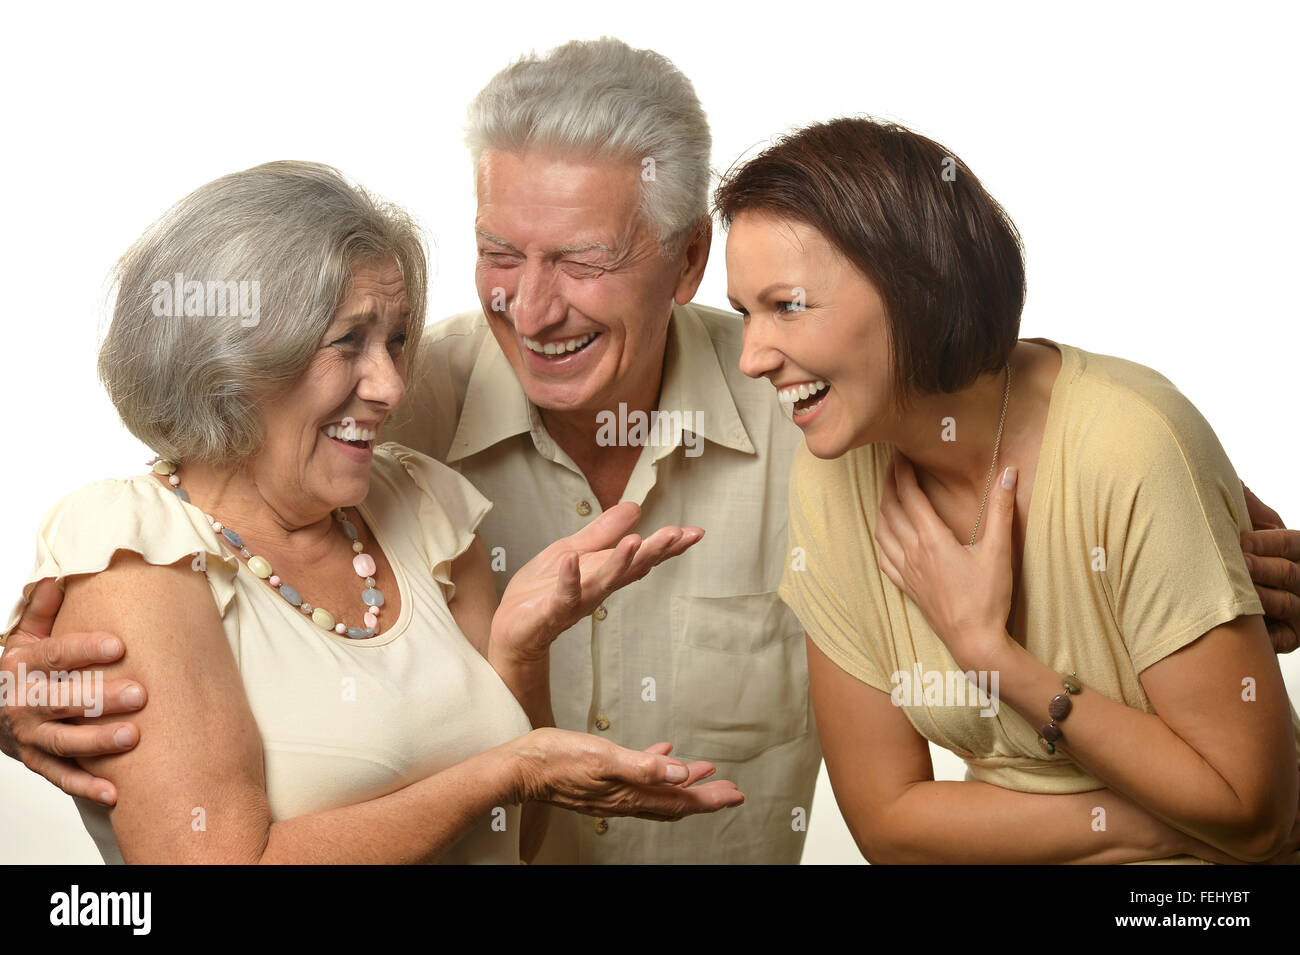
(362, 563)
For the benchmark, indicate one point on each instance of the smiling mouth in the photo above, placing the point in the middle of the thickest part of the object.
(352, 435)
(804, 397)
(559, 349)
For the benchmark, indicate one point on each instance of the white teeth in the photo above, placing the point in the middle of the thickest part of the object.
(350, 433)
(557, 348)
(801, 391)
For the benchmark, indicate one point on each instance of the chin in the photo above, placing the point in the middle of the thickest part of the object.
(560, 396)
(825, 449)
(829, 444)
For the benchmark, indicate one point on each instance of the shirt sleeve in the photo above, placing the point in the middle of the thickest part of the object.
(1177, 519)
(812, 584)
(450, 511)
(83, 531)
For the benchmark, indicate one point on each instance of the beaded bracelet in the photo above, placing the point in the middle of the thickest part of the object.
(1058, 709)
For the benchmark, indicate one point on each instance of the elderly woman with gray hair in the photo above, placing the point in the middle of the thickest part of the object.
(361, 696)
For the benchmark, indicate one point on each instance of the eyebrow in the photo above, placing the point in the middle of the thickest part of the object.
(370, 317)
(562, 250)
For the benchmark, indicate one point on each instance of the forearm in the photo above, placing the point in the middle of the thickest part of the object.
(1139, 756)
(971, 823)
(415, 824)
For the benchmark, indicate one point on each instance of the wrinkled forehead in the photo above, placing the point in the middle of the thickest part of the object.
(556, 200)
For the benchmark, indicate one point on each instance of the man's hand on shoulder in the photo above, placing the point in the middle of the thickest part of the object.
(1273, 557)
(39, 734)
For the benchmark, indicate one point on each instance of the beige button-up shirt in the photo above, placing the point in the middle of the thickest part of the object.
(702, 652)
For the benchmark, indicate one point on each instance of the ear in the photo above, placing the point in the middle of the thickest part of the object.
(692, 260)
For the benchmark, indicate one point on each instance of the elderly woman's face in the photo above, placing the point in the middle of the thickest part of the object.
(354, 381)
(811, 319)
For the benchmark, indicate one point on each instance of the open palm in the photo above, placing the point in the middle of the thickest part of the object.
(570, 578)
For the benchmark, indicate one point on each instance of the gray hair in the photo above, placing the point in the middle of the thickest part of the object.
(285, 238)
(601, 98)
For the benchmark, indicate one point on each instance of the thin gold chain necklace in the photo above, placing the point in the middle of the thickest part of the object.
(1006, 396)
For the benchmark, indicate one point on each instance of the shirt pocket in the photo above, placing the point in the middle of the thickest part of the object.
(740, 676)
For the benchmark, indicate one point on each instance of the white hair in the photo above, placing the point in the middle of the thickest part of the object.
(190, 386)
(601, 98)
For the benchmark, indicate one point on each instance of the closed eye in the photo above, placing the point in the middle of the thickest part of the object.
(498, 258)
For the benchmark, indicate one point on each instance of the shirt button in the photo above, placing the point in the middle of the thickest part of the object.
(602, 722)
(600, 613)
(584, 508)
(601, 826)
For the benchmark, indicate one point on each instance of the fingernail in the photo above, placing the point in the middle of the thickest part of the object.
(110, 646)
(1009, 478)
(1248, 546)
(104, 797)
(133, 696)
(122, 737)
(1250, 562)
(677, 773)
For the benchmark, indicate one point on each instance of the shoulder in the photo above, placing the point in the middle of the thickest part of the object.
(1132, 405)
(447, 508)
(445, 335)
(410, 471)
(451, 346)
(437, 378)
(1143, 452)
(132, 542)
(137, 513)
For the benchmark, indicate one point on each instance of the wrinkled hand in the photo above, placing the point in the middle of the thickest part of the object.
(963, 592)
(569, 579)
(1273, 557)
(36, 734)
(590, 775)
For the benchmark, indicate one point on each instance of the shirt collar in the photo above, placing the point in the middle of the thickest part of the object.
(496, 407)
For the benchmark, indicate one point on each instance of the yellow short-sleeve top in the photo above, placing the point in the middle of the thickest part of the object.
(1132, 551)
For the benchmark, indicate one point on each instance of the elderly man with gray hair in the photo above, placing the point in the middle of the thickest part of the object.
(589, 378)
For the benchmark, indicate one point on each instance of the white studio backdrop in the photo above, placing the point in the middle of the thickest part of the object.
(1146, 153)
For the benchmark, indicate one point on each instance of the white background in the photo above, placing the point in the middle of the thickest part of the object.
(1147, 153)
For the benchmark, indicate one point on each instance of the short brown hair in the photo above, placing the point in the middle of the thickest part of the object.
(913, 219)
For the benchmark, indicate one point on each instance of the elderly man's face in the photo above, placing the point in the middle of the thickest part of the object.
(566, 264)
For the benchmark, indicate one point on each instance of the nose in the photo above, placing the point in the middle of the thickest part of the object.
(758, 357)
(382, 381)
(536, 303)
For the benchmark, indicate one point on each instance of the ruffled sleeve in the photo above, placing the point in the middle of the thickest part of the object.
(450, 510)
(82, 532)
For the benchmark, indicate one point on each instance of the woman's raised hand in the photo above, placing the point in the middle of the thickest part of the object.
(569, 579)
(963, 592)
(591, 775)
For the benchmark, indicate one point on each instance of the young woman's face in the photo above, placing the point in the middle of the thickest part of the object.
(813, 323)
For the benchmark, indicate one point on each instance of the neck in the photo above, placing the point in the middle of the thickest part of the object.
(950, 437)
(240, 501)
